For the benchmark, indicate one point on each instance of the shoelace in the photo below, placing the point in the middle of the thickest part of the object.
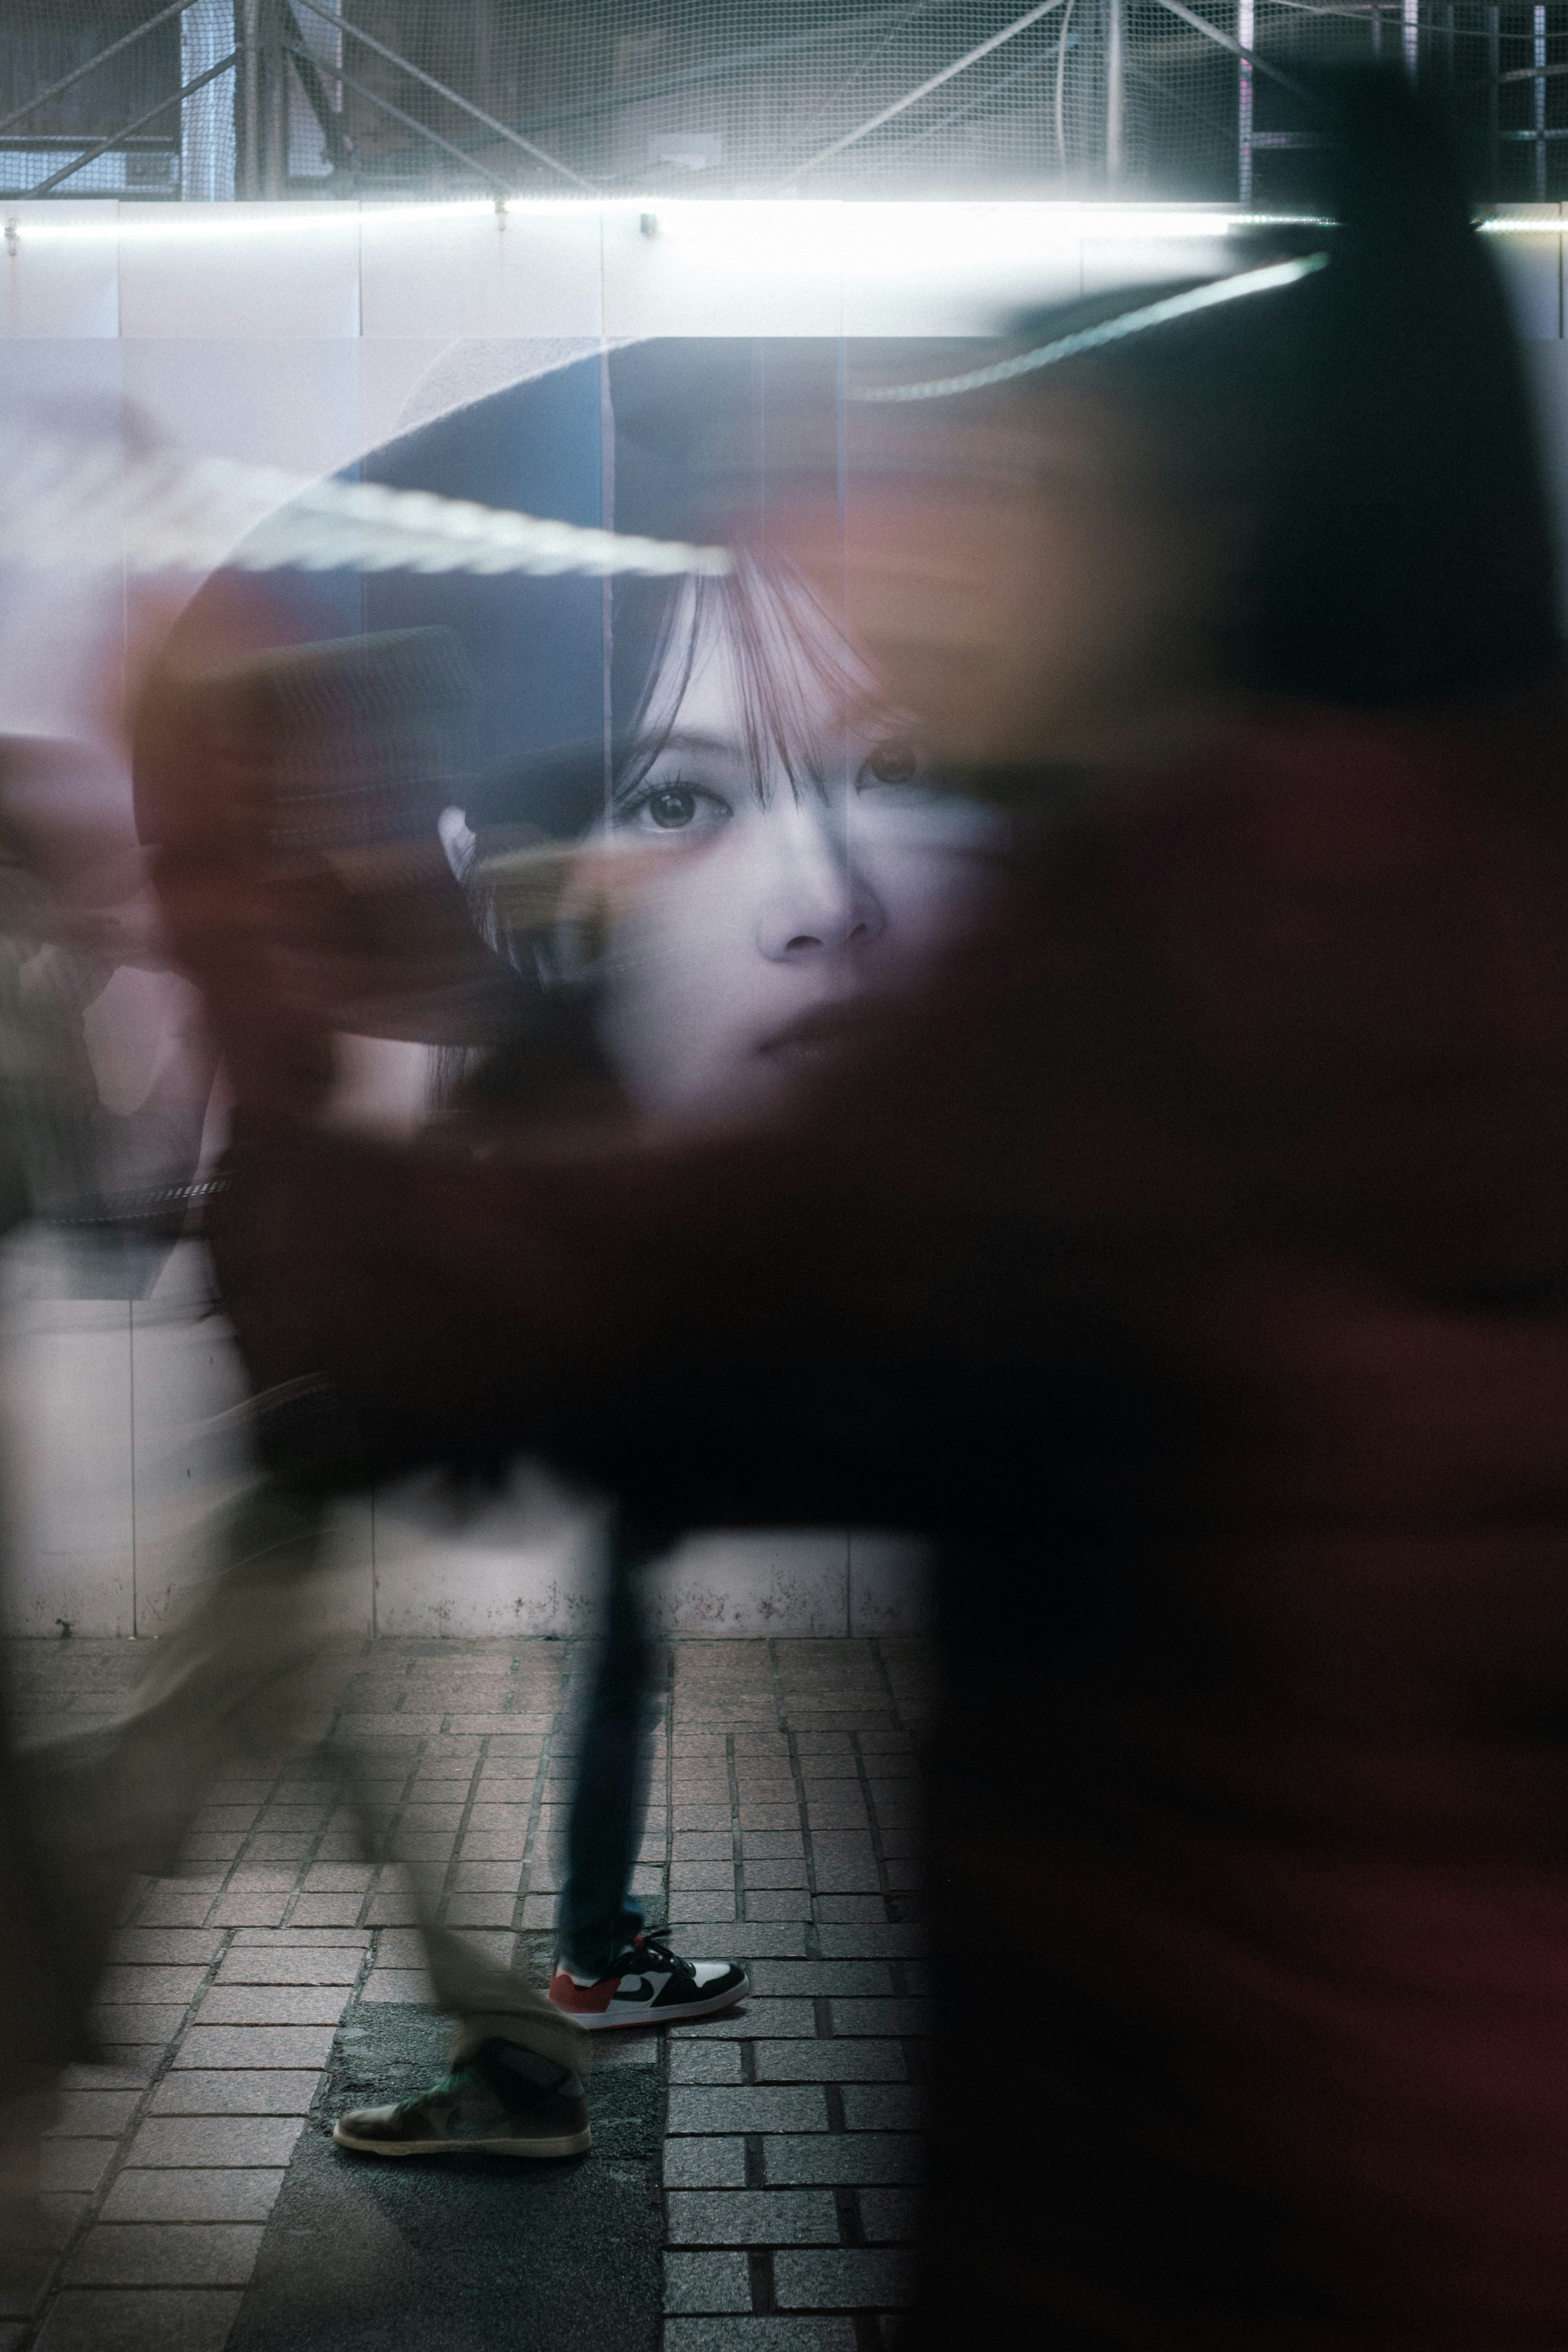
(461, 2079)
(660, 1954)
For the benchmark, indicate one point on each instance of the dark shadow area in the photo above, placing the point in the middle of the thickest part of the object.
(459, 2254)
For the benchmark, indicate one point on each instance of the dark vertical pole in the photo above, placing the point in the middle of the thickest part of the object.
(1538, 93)
(247, 99)
(274, 102)
(1247, 39)
(1494, 70)
(1115, 91)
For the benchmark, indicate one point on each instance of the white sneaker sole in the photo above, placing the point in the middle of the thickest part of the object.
(611, 2021)
(565, 2144)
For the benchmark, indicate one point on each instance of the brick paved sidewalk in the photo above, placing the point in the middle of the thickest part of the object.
(783, 1830)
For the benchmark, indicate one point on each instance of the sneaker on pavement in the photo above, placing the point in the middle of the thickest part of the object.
(485, 2107)
(649, 1985)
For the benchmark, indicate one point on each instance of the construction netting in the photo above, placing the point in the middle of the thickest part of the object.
(1198, 98)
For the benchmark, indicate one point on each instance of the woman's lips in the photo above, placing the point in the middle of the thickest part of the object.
(825, 1029)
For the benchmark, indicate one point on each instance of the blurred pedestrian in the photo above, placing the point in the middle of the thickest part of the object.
(1191, 1255)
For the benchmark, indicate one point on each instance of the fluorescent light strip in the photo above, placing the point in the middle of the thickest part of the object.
(1110, 330)
(73, 505)
(199, 221)
(1051, 220)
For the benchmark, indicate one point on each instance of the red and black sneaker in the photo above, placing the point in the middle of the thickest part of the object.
(649, 1985)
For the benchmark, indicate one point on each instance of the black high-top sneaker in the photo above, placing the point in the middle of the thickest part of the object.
(503, 2101)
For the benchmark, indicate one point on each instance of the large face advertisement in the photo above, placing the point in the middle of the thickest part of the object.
(678, 832)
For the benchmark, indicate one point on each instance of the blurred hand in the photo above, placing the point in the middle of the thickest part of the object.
(1019, 577)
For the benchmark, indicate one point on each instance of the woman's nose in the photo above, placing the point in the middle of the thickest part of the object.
(817, 904)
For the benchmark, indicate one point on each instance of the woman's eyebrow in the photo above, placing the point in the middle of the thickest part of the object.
(686, 739)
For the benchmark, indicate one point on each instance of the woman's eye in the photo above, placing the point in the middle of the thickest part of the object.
(675, 808)
(891, 763)
(671, 806)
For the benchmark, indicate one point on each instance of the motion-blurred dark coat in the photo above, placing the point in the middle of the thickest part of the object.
(1193, 1259)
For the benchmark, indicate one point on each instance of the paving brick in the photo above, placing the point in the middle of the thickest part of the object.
(840, 2159)
(778, 1903)
(759, 2334)
(844, 1863)
(871, 1941)
(849, 2278)
(771, 1845)
(226, 2195)
(488, 1816)
(255, 2045)
(130, 2063)
(139, 2024)
(291, 1965)
(701, 1906)
(626, 2049)
(711, 2163)
(73, 2165)
(758, 2017)
(25, 2280)
(691, 2060)
(781, 1873)
(702, 1845)
(813, 1978)
(298, 1938)
(766, 1820)
(883, 2106)
(842, 1812)
(262, 1908)
(92, 2115)
(701, 1876)
(241, 2091)
(830, 2062)
(487, 1877)
(406, 1984)
(272, 2004)
(479, 1910)
(175, 1946)
(890, 2216)
(743, 1940)
(794, 2109)
(422, 1819)
(84, 2321)
(707, 2282)
(852, 1910)
(220, 2141)
(338, 1910)
(422, 1845)
(112, 2255)
(912, 2017)
(752, 2217)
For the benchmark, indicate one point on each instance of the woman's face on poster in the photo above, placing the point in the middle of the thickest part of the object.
(774, 889)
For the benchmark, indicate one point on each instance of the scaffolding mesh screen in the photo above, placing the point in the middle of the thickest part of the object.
(387, 99)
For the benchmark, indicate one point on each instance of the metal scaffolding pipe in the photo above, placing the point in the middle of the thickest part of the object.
(101, 146)
(466, 106)
(1115, 90)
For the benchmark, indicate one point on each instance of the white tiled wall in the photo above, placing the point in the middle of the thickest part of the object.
(121, 1438)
